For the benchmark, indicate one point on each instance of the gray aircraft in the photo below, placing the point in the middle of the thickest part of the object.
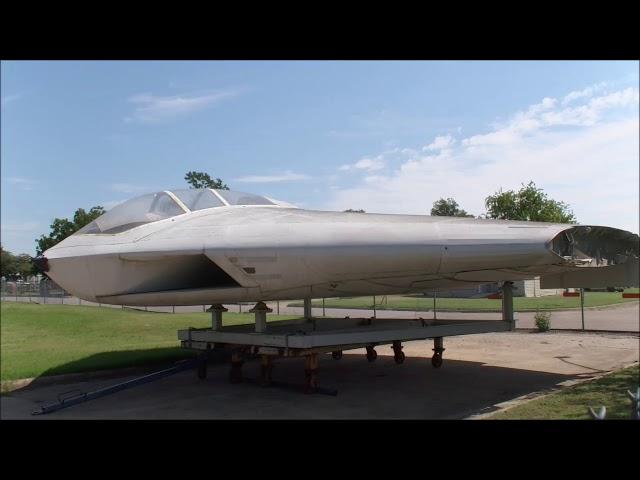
(205, 246)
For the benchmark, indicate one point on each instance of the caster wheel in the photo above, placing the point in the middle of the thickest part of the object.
(202, 370)
(336, 355)
(372, 355)
(436, 360)
(399, 358)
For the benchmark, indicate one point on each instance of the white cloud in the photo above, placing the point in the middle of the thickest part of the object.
(155, 109)
(439, 143)
(585, 155)
(368, 164)
(285, 177)
(26, 184)
(587, 92)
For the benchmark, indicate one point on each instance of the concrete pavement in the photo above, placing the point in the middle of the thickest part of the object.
(479, 371)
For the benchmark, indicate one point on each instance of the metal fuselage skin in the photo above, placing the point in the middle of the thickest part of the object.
(275, 252)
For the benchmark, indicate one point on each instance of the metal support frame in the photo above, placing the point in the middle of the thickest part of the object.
(307, 308)
(300, 338)
(260, 311)
(507, 304)
(216, 316)
(295, 337)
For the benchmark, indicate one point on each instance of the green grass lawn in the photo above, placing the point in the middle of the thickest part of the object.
(572, 402)
(521, 304)
(55, 339)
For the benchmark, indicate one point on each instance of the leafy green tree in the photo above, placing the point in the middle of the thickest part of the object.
(355, 211)
(529, 204)
(24, 266)
(203, 180)
(14, 266)
(61, 228)
(82, 218)
(8, 264)
(448, 208)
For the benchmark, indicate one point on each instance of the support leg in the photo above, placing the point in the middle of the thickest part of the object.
(260, 311)
(216, 316)
(266, 368)
(507, 303)
(311, 373)
(307, 308)
(235, 374)
(202, 367)
(398, 354)
(438, 349)
(371, 353)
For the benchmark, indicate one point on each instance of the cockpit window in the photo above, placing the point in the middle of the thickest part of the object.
(159, 206)
(134, 212)
(198, 199)
(241, 198)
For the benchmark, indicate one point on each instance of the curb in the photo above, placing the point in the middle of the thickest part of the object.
(509, 404)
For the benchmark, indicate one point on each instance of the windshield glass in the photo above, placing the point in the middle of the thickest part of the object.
(134, 212)
(198, 198)
(241, 198)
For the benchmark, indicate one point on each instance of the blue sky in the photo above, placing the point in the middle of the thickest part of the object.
(388, 137)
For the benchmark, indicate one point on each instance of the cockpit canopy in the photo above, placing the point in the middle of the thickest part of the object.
(162, 205)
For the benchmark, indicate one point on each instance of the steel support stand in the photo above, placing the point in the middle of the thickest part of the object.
(311, 373)
(216, 316)
(507, 304)
(266, 369)
(235, 374)
(438, 350)
(260, 311)
(307, 308)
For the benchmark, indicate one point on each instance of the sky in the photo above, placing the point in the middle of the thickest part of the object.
(383, 136)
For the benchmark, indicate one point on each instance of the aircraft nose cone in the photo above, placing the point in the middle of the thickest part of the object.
(41, 263)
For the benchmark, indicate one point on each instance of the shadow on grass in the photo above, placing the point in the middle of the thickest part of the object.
(109, 365)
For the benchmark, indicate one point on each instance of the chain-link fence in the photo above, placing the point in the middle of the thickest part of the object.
(620, 317)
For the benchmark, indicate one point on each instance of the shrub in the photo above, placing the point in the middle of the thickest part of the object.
(542, 321)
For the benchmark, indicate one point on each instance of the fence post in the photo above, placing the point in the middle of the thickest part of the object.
(278, 306)
(323, 312)
(582, 305)
(374, 306)
(435, 315)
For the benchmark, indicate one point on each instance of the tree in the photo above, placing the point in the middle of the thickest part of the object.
(8, 267)
(25, 266)
(15, 266)
(203, 180)
(355, 211)
(529, 204)
(61, 228)
(448, 208)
